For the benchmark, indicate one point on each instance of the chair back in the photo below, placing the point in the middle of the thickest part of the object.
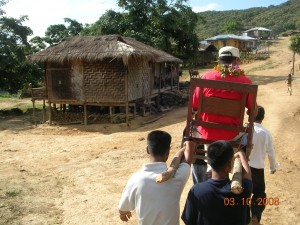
(223, 107)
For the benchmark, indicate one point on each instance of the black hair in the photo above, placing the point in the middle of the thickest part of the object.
(158, 142)
(228, 58)
(218, 154)
(260, 113)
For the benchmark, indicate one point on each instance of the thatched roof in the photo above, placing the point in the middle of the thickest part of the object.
(95, 48)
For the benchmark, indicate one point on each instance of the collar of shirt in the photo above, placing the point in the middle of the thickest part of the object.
(257, 124)
(157, 166)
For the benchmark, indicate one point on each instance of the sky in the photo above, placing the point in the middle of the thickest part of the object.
(43, 13)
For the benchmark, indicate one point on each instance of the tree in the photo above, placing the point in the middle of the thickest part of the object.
(295, 47)
(169, 26)
(110, 22)
(74, 27)
(37, 44)
(233, 27)
(55, 33)
(15, 71)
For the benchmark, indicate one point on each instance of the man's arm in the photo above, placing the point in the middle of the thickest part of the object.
(271, 155)
(189, 152)
(183, 155)
(173, 167)
(127, 201)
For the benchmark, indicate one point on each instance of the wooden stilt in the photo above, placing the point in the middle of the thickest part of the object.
(33, 111)
(134, 108)
(50, 114)
(127, 112)
(44, 110)
(85, 114)
(110, 113)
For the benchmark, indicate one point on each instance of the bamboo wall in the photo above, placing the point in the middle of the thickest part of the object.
(139, 79)
(62, 83)
(104, 81)
(108, 81)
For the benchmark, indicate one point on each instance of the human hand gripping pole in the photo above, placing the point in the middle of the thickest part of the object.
(241, 170)
(185, 153)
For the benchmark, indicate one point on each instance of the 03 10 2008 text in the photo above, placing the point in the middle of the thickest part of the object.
(248, 201)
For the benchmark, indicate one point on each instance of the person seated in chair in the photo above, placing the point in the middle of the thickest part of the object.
(227, 70)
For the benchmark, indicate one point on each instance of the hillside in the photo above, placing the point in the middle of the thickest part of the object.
(279, 19)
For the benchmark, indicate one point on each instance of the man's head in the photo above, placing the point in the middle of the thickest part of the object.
(158, 144)
(260, 114)
(220, 155)
(229, 55)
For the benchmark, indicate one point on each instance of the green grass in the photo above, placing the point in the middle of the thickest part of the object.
(268, 65)
(4, 95)
(13, 193)
(8, 98)
(17, 106)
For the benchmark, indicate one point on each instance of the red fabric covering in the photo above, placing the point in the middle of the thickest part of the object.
(216, 134)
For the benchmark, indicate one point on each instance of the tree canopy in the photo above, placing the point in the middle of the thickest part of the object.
(15, 71)
(169, 26)
(295, 47)
(55, 33)
(295, 44)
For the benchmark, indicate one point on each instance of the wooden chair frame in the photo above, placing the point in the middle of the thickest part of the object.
(221, 106)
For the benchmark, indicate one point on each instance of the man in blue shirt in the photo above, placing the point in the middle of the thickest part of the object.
(212, 202)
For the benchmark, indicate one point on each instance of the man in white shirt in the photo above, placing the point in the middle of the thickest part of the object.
(156, 203)
(262, 146)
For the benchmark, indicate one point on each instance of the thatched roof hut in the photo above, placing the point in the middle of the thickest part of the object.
(108, 70)
(97, 48)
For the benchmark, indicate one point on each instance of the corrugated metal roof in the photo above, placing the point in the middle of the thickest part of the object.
(258, 28)
(230, 36)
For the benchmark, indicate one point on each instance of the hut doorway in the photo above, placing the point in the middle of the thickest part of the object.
(59, 81)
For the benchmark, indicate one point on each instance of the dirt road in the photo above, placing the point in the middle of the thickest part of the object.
(75, 175)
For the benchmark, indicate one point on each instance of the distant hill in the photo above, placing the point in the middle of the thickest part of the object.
(279, 19)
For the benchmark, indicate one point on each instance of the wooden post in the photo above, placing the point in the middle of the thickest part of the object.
(110, 113)
(33, 110)
(293, 68)
(134, 108)
(44, 110)
(85, 114)
(127, 112)
(50, 114)
(236, 181)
